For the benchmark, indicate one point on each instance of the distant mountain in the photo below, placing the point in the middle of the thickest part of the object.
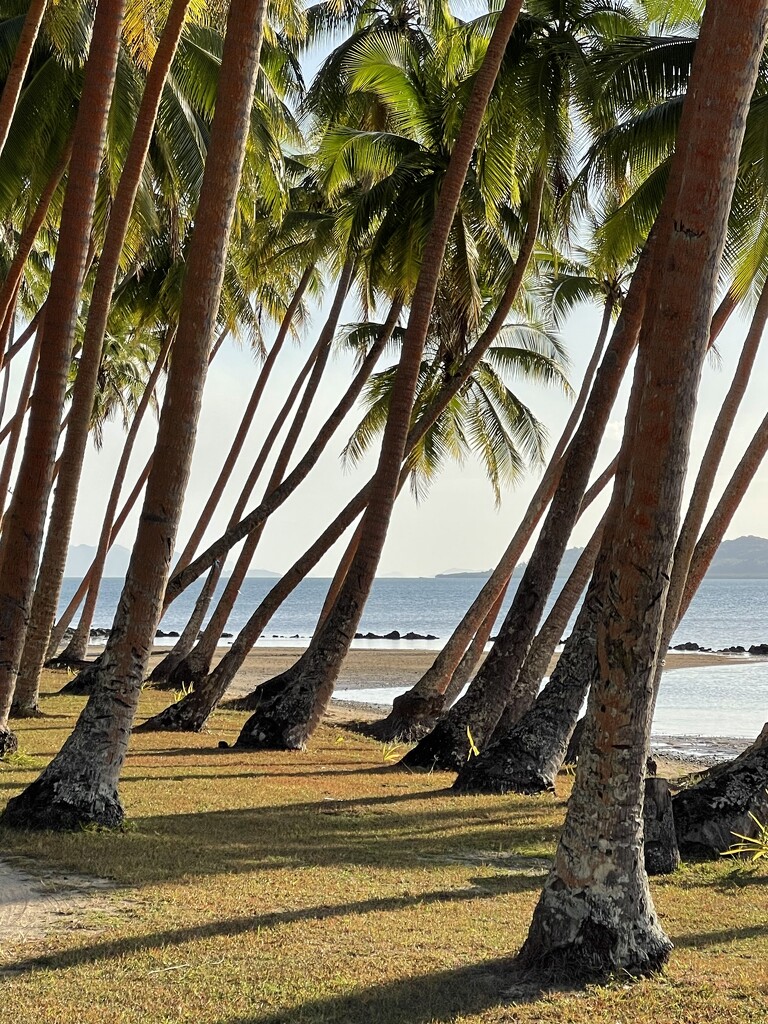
(745, 558)
(258, 574)
(80, 557)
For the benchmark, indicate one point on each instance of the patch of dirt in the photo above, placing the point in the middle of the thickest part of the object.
(34, 902)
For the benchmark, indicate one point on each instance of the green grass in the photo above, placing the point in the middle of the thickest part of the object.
(326, 887)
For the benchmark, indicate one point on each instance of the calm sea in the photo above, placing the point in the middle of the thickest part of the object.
(724, 613)
(731, 700)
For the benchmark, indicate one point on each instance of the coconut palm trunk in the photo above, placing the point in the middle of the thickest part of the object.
(192, 668)
(193, 710)
(80, 784)
(18, 69)
(51, 574)
(415, 713)
(528, 753)
(25, 520)
(245, 423)
(25, 701)
(494, 686)
(27, 239)
(90, 585)
(596, 915)
(16, 425)
(26, 335)
(288, 721)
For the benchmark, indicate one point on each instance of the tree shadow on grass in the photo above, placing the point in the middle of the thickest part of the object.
(437, 998)
(700, 940)
(479, 889)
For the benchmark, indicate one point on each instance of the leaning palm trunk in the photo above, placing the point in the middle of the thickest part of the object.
(30, 332)
(180, 652)
(596, 915)
(112, 525)
(729, 800)
(245, 423)
(90, 584)
(27, 686)
(27, 238)
(80, 784)
(194, 709)
(495, 685)
(525, 756)
(25, 521)
(415, 713)
(54, 558)
(197, 663)
(289, 720)
(17, 423)
(18, 69)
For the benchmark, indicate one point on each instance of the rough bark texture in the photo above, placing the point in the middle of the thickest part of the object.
(80, 784)
(661, 852)
(52, 566)
(526, 757)
(16, 424)
(494, 687)
(297, 713)
(709, 813)
(25, 521)
(595, 915)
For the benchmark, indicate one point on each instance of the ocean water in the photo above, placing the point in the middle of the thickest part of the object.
(729, 700)
(724, 613)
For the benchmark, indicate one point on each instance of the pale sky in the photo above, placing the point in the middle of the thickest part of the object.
(457, 525)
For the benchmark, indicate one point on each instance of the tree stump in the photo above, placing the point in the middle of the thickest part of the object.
(662, 856)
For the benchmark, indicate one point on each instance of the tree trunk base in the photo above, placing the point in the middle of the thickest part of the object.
(445, 749)
(9, 742)
(286, 715)
(63, 662)
(503, 771)
(708, 814)
(410, 720)
(662, 855)
(49, 803)
(84, 682)
(183, 716)
(26, 711)
(578, 935)
(190, 671)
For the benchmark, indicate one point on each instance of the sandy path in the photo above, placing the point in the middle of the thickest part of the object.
(34, 902)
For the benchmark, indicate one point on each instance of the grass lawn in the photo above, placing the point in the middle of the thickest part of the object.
(325, 887)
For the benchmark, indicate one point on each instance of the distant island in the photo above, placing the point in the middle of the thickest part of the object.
(745, 558)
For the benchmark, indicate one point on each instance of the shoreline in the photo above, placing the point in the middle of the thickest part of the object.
(388, 669)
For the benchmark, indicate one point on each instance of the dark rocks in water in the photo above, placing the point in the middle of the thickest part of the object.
(295, 636)
(760, 649)
(395, 635)
(227, 636)
(733, 650)
(690, 646)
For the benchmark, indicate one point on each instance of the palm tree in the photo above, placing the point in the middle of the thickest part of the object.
(80, 784)
(51, 573)
(287, 720)
(23, 527)
(18, 69)
(596, 913)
